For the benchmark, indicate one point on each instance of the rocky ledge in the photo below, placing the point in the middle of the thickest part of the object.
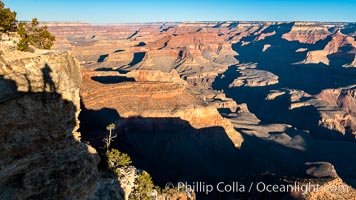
(152, 94)
(41, 155)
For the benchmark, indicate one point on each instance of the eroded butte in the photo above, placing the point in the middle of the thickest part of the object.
(220, 99)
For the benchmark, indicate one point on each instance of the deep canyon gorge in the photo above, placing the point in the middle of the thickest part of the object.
(191, 101)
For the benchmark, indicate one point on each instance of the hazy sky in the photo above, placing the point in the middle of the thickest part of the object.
(112, 11)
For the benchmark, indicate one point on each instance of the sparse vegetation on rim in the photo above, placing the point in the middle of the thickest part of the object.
(144, 188)
(7, 19)
(34, 34)
(144, 184)
(31, 33)
(117, 158)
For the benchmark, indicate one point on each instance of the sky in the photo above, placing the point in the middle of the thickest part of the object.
(131, 11)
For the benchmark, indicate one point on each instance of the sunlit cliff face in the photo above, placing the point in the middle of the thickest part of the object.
(253, 97)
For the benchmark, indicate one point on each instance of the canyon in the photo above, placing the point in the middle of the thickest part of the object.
(220, 99)
(191, 101)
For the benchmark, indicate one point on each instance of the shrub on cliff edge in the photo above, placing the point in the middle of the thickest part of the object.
(144, 187)
(7, 19)
(33, 34)
(117, 159)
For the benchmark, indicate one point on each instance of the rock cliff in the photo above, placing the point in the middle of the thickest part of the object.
(307, 32)
(185, 94)
(41, 153)
(152, 94)
(196, 51)
(341, 46)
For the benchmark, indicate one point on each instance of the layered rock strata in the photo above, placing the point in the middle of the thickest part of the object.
(41, 153)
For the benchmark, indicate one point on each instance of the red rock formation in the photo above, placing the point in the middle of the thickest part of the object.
(305, 32)
(189, 47)
(338, 40)
(254, 78)
(154, 95)
(339, 99)
(343, 98)
(353, 64)
(262, 36)
(347, 100)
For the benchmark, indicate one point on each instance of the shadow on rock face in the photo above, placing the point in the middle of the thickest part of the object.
(41, 158)
(171, 150)
(112, 79)
(279, 59)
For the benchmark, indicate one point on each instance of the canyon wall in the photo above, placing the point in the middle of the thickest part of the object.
(41, 153)
(254, 96)
(152, 94)
(197, 51)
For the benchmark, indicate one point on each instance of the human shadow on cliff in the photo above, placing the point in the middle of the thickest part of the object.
(40, 135)
(48, 84)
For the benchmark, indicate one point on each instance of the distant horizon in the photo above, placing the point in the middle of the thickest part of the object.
(141, 11)
(160, 22)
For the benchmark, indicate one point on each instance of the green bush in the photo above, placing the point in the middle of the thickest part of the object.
(143, 188)
(168, 191)
(32, 33)
(7, 19)
(23, 44)
(117, 159)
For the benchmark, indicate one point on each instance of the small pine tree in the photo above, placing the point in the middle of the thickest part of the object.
(32, 33)
(110, 137)
(23, 44)
(143, 188)
(144, 183)
(7, 19)
(117, 159)
(41, 37)
(46, 39)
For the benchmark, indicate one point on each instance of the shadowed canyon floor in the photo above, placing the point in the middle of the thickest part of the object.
(220, 101)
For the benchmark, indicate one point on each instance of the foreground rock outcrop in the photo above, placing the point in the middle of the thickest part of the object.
(41, 155)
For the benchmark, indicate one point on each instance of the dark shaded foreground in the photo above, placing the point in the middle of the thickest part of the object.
(40, 158)
(172, 151)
